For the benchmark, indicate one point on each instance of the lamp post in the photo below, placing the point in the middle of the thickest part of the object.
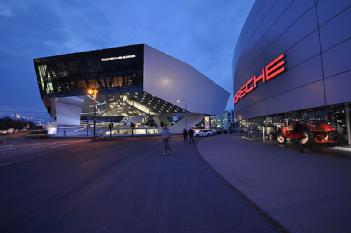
(186, 120)
(18, 121)
(93, 93)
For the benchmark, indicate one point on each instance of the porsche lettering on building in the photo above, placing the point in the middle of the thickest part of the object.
(273, 69)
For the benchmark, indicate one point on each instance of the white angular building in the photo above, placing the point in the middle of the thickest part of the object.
(135, 83)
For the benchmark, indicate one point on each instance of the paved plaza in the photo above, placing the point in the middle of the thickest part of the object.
(305, 192)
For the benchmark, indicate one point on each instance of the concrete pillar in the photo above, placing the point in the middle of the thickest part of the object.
(348, 124)
(68, 111)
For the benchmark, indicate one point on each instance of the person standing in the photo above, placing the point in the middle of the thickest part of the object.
(166, 135)
(191, 136)
(185, 135)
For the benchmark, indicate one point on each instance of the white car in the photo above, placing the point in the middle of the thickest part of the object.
(204, 133)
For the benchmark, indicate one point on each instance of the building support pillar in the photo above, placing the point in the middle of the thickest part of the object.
(348, 123)
(68, 112)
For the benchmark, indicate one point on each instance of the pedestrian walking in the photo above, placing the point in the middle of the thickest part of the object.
(185, 135)
(166, 135)
(191, 136)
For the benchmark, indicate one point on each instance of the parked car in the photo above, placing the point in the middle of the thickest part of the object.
(204, 133)
(214, 131)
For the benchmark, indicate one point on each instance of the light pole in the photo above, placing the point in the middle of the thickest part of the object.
(93, 93)
(18, 121)
(186, 119)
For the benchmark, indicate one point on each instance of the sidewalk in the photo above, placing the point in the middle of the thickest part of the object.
(304, 192)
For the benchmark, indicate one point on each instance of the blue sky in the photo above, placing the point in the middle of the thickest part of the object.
(201, 33)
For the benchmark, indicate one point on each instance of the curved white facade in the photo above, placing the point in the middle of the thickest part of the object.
(171, 79)
(135, 80)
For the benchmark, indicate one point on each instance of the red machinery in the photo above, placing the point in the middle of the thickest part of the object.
(320, 133)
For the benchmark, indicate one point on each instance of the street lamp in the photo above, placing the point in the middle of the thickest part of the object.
(186, 120)
(93, 92)
(18, 121)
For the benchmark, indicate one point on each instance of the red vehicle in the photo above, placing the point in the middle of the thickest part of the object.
(319, 133)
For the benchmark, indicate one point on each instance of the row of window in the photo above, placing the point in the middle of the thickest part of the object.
(67, 86)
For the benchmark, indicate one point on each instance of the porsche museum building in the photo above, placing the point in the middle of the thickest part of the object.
(292, 63)
(136, 86)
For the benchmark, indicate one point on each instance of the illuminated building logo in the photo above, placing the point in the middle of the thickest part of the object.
(273, 69)
(118, 58)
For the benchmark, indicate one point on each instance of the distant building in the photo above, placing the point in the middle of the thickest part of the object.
(223, 121)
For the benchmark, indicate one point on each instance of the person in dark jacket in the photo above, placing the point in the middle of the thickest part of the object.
(191, 136)
(185, 135)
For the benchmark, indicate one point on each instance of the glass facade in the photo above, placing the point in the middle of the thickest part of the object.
(109, 70)
(136, 103)
(328, 125)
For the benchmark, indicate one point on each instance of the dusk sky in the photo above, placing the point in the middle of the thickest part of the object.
(201, 33)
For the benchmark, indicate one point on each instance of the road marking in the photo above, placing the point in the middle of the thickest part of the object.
(7, 148)
(49, 148)
(27, 159)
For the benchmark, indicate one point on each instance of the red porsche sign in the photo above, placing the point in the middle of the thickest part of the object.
(273, 69)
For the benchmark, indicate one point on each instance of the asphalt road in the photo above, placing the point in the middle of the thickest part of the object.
(120, 186)
(22, 149)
